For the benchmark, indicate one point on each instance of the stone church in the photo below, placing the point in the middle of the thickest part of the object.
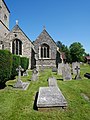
(40, 52)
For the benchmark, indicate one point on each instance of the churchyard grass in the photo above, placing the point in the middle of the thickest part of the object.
(19, 104)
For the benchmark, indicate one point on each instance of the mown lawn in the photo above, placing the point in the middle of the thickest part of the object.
(19, 104)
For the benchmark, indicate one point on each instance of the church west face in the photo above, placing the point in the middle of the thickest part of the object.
(40, 52)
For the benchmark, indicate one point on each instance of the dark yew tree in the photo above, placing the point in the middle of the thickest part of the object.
(64, 49)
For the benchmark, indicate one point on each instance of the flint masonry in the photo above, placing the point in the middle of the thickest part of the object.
(42, 51)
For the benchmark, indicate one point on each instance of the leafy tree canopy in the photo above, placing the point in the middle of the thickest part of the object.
(77, 52)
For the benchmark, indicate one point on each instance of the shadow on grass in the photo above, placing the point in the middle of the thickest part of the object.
(2, 85)
(10, 86)
(60, 79)
(35, 102)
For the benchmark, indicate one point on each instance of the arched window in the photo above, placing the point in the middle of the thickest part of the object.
(17, 47)
(44, 51)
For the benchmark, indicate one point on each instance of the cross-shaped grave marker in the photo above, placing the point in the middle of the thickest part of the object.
(78, 73)
(19, 83)
(19, 69)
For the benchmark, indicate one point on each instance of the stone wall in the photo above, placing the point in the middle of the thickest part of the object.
(27, 46)
(4, 13)
(3, 30)
(45, 38)
(46, 63)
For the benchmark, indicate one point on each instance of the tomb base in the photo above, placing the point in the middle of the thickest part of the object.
(50, 98)
(21, 85)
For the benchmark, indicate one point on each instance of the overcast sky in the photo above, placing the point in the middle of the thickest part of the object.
(67, 21)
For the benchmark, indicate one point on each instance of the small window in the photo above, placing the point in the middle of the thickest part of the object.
(15, 35)
(5, 17)
(5, 34)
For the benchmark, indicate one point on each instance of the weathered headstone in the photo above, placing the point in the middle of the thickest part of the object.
(42, 66)
(77, 73)
(54, 69)
(66, 72)
(60, 66)
(74, 64)
(52, 82)
(25, 73)
(19, 84)
(34, 75)
(49, 98)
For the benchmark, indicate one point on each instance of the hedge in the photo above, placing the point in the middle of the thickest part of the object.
(24, 62)
(15, 64)
(8, 65)
(5, 65)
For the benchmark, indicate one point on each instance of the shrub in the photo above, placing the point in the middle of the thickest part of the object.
(24, 62)
(15, 64)
(5, 65)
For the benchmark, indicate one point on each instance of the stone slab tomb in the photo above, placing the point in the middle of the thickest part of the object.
(49, 98)
(66, 72)
(52, 82)
(19, 84)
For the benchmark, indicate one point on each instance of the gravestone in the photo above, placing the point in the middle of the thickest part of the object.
(54, 69)
(34, 75)
(66, 72)
(42, 66)
(77, 73)
(19, 84)
(25, 73)
(49, 98)
(87, 75)
(52, 82)
(74, 64)
(60, 66)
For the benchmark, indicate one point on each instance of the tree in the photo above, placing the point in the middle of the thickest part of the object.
(67, 54)
(77, 52)
(64, 49)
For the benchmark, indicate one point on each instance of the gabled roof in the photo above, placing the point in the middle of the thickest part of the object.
(6, 6)
(45, 32)
(87, 57)
(16, 27)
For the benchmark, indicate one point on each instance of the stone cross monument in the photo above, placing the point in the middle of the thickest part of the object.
(77, 73)
(19, 83)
